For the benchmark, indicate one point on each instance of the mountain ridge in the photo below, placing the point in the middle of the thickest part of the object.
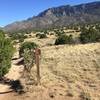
(60, 16)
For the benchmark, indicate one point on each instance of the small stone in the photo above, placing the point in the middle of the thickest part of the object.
(51, 95)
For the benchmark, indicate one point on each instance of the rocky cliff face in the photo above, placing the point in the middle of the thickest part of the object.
(60, 16)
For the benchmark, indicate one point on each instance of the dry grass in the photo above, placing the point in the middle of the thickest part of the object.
(67, 72)
(78, 66)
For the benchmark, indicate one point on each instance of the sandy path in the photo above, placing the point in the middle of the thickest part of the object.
(14, 73)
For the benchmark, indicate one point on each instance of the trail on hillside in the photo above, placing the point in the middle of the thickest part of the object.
(14, 73)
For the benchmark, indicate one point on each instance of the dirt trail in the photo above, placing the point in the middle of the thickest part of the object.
(14, 74)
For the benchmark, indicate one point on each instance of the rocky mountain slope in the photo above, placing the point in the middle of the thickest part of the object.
(60, 16)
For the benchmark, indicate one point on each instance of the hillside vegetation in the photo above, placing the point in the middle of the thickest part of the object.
(69, 70)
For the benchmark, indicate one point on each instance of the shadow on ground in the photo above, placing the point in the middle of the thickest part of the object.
(15, 85)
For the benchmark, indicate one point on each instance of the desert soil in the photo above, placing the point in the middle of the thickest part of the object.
(67, 73)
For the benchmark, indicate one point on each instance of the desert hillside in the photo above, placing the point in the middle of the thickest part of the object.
(52, 55)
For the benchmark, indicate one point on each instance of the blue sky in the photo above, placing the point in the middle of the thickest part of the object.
(16, 10)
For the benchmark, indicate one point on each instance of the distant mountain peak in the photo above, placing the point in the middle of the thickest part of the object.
(60, 16)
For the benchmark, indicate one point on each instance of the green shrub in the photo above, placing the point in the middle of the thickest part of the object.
(64, 39)
(97, 27)
(27, 45)
(6, 52)
(18, 36)
(40, 36)
(27, 52)
(59, 32)
(89, 35)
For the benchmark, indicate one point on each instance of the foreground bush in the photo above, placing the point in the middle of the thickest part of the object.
(6, 52)
(27, 46)
(27, 52)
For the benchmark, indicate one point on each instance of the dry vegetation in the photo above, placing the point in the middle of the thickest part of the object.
(68, 72)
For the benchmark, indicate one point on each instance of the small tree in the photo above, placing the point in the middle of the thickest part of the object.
(6, 52)
(89, 35)
(27, 52)
(64, 39)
